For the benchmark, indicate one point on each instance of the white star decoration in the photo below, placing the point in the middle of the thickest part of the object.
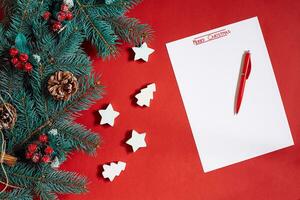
(137, 140)
(108, 115)
(142, 52)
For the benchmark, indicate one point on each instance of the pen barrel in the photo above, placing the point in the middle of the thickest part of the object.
(242, 82)
(240, 96)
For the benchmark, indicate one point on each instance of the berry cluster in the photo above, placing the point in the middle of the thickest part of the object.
(63, 15)
(39, 151)
(20, 60)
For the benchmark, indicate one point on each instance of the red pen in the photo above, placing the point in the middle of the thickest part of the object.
(244, 75)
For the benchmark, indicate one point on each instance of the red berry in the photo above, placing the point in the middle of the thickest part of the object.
(46, 15)
(69, 16)
(28, 155)
(19, 65)
(45, 159)
(13, 52)
(14, 60)
(32, 148)
(43, 138)
(56, 26)
(36, 158)
(28, 67)
(64, 7)
(48, 150)
(23, 57)
(61, 16)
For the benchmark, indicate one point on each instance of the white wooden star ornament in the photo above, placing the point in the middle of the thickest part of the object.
(145, 95)
(137, 140)
(142, 52)
(108, 115)
(113, 169)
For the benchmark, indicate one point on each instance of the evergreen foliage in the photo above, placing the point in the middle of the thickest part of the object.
(105, 25)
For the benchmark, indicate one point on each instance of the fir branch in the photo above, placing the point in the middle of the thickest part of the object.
(44, 180)
(21, 10)
(130, 30)
(78, 63)
(77, 136)
(7, 5)
(7, 8)
(17, 194)
(64, 182)
(116, 8)
(89, 92)
(11, 80)
(38, 92)
(68, 44)
(98, 32)
(44, 192)
(47, 123)
(65, 55)
(9, 185)
(27, 119)
(4, 44)
(42, 6)
(22, 175)
(44, 40)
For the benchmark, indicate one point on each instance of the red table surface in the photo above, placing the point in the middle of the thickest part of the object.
(170, 168)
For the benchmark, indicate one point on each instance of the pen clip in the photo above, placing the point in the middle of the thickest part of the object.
(248, 69)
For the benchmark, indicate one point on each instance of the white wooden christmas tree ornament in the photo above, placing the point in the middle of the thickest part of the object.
(108, 115)
(146, 95)
(137, 140)
(142, 52)
(113, 169)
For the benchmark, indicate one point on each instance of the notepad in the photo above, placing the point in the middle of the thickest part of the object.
(207, 67)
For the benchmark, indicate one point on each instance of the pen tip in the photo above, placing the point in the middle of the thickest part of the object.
(236, 112)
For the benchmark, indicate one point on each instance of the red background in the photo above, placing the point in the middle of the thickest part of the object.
(169, 168)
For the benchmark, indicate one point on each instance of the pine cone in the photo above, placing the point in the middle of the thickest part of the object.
(62, 85)
(8, 116)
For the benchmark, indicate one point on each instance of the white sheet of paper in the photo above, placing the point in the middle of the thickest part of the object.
(207, 67)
